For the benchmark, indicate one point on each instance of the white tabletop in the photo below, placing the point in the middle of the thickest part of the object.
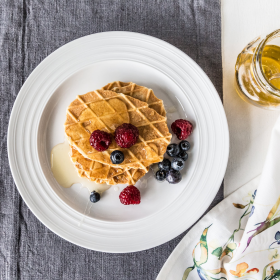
(249, 127)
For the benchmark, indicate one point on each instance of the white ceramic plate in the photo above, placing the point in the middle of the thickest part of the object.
(36, 125)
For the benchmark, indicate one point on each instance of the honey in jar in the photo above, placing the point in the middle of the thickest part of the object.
(271, 64)
(257, 72)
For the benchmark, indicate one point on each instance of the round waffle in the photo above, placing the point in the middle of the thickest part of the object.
(106, 110)
(108, 173)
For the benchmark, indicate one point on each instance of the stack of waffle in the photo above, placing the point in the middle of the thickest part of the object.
(106, 109)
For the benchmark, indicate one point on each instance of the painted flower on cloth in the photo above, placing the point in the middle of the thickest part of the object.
(204, 254)
(252, 211)
(241, 270)
(250, 197)
(277, 238)
(273, 254)
(272, 219)
(254, 194)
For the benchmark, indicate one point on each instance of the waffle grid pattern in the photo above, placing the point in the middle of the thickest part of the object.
(139, 111)
(101, 171)
(139, 92)
(104, 173)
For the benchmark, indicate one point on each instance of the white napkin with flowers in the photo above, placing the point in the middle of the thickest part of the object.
(240, 237)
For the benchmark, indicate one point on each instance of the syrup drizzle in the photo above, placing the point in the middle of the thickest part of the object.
(86, 213)
(66, 174)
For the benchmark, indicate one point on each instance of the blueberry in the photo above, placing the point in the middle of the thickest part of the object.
(184, 145)
(165, 164)
(94, 197)
(173, 150)
(173, 176)
(177, 163)
(117, 157)
(160, 175)
(183, 155)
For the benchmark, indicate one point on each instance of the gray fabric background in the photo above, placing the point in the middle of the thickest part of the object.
(29, 31)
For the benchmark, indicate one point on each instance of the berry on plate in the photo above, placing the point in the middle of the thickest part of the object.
(183, 155)
(173, 150)
(160, 175)
(184, 145)
(126, 135)
(182, 128)
(94, 197)
(130, 195)
(177, 163)
(100, 140)
(165, 164)
(173, 176)
(117, 157)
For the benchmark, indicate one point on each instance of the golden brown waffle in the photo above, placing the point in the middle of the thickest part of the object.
(106, 110)
(101, 173)
(139, 92)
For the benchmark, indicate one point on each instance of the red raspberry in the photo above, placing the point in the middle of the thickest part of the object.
(182, 128)
(126, 135)
(130, 195)
(100, 140)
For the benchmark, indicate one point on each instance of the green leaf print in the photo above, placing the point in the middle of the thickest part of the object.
(203, 248)
(202, 273)
(218, 252)
(274, 273)
(229, 249)
(187, 271)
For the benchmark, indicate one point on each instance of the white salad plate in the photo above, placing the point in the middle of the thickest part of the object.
(36, 126)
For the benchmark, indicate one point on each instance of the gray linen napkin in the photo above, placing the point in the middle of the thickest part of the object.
(29, 31)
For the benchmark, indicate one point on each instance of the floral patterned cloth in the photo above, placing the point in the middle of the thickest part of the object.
(240, 237)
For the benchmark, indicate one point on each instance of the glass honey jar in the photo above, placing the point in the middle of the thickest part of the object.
(257, 72)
